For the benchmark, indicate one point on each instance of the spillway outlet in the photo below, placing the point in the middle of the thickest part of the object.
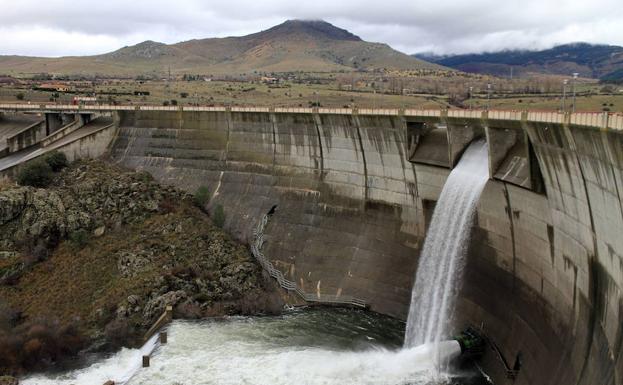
(472, 343)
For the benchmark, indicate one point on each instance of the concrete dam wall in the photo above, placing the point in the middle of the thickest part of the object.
(354, 196)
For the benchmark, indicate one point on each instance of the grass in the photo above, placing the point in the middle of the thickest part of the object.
(328, 90)
(238, 94)
(583, 103)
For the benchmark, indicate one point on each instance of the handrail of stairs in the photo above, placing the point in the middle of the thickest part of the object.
(256, 247)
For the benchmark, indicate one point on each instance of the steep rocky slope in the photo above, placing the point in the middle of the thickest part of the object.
(105, 250)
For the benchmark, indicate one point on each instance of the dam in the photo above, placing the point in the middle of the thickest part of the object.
(354, 191)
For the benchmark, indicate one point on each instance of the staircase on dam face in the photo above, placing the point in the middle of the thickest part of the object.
(327, 299)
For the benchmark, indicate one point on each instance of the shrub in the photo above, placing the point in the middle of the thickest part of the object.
(20, 96)
(34, 251)
(165, 103)
(173, 102)
(202, 195)
(183, 95)
(167, 206)
(79, 238)
(118, 332)
(37, 344)
(36, 174)
(219, 216)
(56, 160)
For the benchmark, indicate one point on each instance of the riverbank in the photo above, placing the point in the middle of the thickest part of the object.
(93, 259)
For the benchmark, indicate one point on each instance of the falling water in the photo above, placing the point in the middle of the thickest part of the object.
(442, 260)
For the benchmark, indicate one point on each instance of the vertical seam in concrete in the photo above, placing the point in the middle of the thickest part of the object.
(592, 259)
(363, 156)
(228, 119)
(404, 157)
(510, 218)
(273, 123)
(616, 188)
(317, 124)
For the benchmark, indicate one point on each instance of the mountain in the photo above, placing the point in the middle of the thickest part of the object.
(295, 45)
(589, 60)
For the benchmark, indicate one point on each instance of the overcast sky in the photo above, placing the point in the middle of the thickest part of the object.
(82, 27)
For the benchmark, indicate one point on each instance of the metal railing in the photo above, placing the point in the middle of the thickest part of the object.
(591, 119)
(256, 247)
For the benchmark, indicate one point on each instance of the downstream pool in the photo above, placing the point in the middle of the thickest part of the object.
(304, 347)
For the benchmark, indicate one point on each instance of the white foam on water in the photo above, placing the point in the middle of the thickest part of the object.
(441, 264)
(203, 354)
(120, 367)
(258, 352)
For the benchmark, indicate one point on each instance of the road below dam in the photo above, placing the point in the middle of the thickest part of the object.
(352, 196)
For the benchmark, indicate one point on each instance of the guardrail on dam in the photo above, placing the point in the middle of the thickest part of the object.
(355, 190)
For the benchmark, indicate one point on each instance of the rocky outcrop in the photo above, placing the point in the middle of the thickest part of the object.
(109, 249)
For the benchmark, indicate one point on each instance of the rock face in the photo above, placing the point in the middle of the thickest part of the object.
(81, 199)
(110, 249)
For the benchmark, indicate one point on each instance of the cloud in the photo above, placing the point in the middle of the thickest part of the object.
(61, 27)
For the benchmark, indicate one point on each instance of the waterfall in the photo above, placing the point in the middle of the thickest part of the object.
(442, 259)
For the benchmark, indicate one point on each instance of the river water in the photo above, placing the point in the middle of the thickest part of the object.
(306, 347)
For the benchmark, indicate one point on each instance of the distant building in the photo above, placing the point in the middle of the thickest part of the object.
(58, 87)
(269, 80)
(84, 100)
(141, 93)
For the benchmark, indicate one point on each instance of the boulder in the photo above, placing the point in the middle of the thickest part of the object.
(156, 305)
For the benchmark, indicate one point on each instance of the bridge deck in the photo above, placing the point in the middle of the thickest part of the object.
(10, 126)
(593, 119)
(35, 151)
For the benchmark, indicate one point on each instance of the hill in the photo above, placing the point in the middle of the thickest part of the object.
(296, 45)
(591, 61)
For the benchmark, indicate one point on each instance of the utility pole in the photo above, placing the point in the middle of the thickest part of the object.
(564, 94)
(471, 100)
(488, 96)
(575, 76)
(374, 99)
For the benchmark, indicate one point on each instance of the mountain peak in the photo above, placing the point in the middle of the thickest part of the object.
(148, 49)
(319, 29)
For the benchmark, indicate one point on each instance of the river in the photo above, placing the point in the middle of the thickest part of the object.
(305, 346)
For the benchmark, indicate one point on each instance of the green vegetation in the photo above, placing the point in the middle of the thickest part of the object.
(202, 196)
(79, 239)
(219, 216)
(615, 77)
(38, 173)
(57, 160)
(20, 96)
